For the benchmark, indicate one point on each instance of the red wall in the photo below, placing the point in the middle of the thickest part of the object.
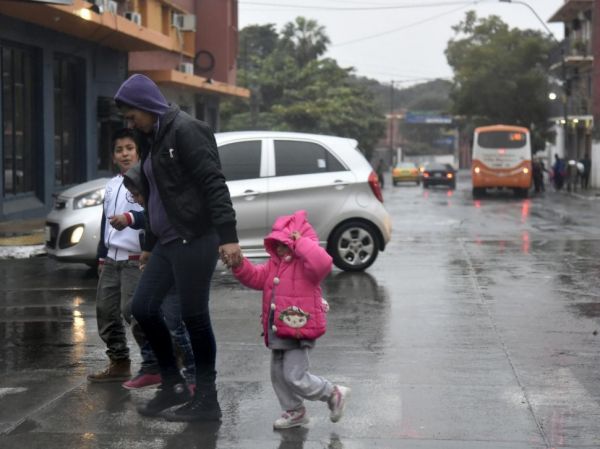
(217, 33)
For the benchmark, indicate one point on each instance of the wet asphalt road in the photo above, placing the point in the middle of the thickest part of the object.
(477, 328)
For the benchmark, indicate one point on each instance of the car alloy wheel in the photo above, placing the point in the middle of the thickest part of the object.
(354, 246)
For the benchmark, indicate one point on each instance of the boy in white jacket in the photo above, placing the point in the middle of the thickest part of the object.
(119, 253)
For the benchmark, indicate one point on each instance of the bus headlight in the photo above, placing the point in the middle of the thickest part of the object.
(525, 170)
(477, 170)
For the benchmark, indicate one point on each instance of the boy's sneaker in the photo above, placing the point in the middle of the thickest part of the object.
(337, 402)
(291, 418)
(143, 380)
(166, 397)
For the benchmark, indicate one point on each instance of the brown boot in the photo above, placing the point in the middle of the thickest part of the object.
(117, 371)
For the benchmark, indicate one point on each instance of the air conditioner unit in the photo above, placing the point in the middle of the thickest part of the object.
(135, 17)
(184, 22)
(187, 68)
(99, 6)
(111, 6)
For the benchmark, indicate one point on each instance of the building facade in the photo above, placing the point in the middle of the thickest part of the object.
(574, 65)
(61, 65)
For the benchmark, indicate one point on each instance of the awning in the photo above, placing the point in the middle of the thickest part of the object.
(194, 82)
(569, 10)
(79, 20)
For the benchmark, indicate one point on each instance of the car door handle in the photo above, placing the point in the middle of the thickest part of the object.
(340, 184)
(250, 193)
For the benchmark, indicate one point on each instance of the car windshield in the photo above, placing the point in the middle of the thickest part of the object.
(406, 165)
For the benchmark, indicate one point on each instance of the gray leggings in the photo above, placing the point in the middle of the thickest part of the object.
(292, 382)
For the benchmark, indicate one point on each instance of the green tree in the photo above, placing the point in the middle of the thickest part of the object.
(293, 88)
(500, 75)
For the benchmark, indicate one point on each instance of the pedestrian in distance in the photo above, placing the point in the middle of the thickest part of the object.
(586, 162)
(380, 170)
(538, 170)
(190, 222)
(294, 315)
(119, 251)
(558, 172)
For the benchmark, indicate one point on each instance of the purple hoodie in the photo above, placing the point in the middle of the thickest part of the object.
(140, 92)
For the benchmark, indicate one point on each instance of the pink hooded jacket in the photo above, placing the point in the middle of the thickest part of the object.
(291, 288)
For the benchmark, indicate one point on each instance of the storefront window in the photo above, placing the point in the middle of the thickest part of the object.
(68, 120)
(18, 130)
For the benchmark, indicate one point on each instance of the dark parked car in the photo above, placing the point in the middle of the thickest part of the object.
(436, 174)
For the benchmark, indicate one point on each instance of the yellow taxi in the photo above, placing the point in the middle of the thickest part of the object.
(406, 172)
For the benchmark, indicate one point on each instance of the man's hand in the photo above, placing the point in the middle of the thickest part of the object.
(119, 222)
(231, 255)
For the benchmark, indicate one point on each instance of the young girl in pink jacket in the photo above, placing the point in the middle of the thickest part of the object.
(294, 315)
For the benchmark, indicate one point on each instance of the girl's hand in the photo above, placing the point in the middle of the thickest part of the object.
(296, 235)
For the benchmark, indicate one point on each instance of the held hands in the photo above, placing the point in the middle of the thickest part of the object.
(296, 235)
(231, 255)
(119, 222)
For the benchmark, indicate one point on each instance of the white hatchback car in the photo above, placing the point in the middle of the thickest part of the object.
(270, 174)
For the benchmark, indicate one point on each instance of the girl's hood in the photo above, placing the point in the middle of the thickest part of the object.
(282, 229)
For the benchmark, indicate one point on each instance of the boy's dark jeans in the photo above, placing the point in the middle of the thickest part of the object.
(189, 266)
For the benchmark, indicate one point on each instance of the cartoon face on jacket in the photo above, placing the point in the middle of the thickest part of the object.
(294, 317)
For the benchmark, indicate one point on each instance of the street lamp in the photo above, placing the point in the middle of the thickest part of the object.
(535, 14)
(565, 119)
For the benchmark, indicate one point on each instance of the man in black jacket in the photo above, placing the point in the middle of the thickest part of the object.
(191, 221)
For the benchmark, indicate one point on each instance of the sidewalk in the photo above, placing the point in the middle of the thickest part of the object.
(21, 239)
(587, 194)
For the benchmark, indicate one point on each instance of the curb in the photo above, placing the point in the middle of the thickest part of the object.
(22, 239)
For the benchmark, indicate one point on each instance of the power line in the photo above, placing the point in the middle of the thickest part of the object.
(404, 27)
(361, 8)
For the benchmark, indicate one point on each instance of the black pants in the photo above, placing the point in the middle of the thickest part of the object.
(189, 266)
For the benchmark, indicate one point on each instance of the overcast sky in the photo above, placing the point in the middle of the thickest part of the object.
(402, 40)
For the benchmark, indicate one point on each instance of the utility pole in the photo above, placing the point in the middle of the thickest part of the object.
(392, 122)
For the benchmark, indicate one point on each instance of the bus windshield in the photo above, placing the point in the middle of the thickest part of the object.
(502, 139)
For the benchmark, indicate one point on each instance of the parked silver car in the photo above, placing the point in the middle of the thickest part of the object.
(73, 224)
(271, 174)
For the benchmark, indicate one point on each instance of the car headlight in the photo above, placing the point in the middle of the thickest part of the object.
(89, 199)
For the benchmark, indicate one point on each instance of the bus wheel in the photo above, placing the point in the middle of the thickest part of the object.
(478, 192)
(521, 193)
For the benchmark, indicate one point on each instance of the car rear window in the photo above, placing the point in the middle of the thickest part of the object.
(300, 158)
(436, 166)
(240, 160)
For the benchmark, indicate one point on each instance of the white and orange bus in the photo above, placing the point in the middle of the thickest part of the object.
(501, 158)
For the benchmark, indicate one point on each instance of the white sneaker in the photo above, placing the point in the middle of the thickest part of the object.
(337, 402)
(291, 418)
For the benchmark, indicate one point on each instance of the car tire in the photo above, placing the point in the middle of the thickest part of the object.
(425, 185)
(452, 186)
(395, 183)
(354, 245)
(418, 183)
